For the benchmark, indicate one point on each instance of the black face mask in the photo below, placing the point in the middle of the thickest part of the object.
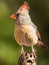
(17, 15)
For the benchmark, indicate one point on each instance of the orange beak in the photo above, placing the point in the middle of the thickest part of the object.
(13, 16)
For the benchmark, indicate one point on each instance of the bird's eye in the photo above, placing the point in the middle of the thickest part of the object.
(17, 15)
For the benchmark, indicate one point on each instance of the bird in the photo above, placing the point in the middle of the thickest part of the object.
(25, 31)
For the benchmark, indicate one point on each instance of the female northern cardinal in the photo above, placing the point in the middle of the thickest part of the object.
(25, 31)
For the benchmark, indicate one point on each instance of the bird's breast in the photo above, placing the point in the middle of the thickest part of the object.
(18, 34)
(25, 35)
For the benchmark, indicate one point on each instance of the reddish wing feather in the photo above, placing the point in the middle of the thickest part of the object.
(42, 44)
(38, 34)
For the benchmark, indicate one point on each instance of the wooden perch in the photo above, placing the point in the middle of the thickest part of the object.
(27, 58)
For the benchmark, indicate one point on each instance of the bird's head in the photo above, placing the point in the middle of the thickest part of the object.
(23, 11)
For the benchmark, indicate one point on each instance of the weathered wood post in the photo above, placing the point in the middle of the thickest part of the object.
(27, 58)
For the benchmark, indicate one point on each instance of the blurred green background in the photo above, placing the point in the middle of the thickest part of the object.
(9, 50)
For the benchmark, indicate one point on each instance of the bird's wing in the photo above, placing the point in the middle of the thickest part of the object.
(38, 34)
(34, 25)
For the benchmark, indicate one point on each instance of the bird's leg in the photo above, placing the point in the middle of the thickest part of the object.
(22, 50)
(32, 49)
(34, 53)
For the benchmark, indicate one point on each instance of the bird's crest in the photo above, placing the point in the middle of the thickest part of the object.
(24, 5)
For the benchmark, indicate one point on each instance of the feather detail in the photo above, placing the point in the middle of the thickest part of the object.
(38, 34)
(42, 44)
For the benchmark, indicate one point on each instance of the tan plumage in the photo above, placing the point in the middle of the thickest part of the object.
(24, 35)
(25, 31)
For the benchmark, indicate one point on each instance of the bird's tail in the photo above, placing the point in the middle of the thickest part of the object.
(40, 43)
